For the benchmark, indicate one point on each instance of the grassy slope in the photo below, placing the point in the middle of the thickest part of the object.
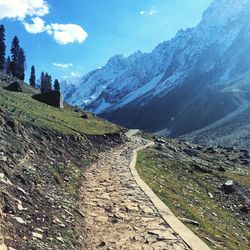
(186, 193)
(53, 165)
(64, 120)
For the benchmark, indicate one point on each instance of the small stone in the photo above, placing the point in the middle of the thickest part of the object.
(20, 220)
(4, 179)
(60, 239)
(222, 169)
(21, 190)
(37, 236)
(188, 221)
(39, 230)
(210, 195)
(102, 244)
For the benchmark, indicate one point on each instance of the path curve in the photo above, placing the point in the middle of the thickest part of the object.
(117, 213)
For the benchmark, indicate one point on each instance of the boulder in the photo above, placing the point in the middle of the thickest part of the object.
(160, 147)
(84, 116)
(192, 222)
(51, 98)
(15, 87)
(229, 187)
(222, 169)
(191, 152)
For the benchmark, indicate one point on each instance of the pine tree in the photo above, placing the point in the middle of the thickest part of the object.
(18, 59)
(46, 82)
(56, 85)
(32, 80)
(42, 82)
(2, 47)
(15, 47)
(21, 64)
(7, 66)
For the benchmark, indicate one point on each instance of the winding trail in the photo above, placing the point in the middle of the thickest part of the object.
(120, 210)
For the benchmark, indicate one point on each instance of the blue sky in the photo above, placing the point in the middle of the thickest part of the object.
(72, 37)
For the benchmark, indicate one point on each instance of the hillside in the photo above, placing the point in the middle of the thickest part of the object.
(67, 183)
(43, 152)
(232, 130)
(191, 179)
(179, 87)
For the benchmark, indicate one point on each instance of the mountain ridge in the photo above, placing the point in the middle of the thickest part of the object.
(194, 61)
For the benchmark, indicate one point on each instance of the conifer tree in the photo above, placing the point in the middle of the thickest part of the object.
(32, 79)
(15, 47)
(42, 82)
(2, 47)
(7, 66)
(17, 65)
(56, 85)
(46, 82)
(21, 64)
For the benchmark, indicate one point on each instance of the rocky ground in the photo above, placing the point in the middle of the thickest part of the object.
(40, 174)
(118, 215)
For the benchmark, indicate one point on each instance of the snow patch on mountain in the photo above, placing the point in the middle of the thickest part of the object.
(143, 76)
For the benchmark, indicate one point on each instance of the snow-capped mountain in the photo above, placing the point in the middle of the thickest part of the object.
(89, 88)
(152, 90)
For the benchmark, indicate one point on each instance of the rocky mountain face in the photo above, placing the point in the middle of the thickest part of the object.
(180, 86)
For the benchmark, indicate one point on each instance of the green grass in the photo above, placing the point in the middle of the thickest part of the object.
(187, 196)
(66, 120)
(240, 178)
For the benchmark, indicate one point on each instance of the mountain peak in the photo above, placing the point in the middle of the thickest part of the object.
(116, 60)
(222, 11)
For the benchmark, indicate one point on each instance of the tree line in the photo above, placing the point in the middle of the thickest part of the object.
(15, 65)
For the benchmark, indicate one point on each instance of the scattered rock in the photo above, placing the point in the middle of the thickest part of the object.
(202, 169)
(245, 208)
(15, 87)
(222, 169)
(160, 140)
(191, 152)
(60, 239)
(102, 244)
(20, 220)
(192, 222)
(229, 187)
(37, 236)
(210, 195)
(160, 147)
(84, 116)
(4, 179)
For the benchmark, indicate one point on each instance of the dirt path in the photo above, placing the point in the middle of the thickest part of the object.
(118, 214)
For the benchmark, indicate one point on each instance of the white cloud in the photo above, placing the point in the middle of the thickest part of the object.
(37, 26)
(67, 33)
(35, 9)
(151, 12)
(63, 65)
(19, 9)
(75, 74)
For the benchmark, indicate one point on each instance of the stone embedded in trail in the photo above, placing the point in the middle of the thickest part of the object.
(37, 236)
(20, 220)
(3, 247)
